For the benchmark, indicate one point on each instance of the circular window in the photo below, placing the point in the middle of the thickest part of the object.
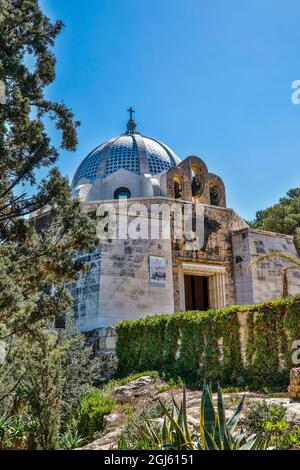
(215, 195)
(122, 192)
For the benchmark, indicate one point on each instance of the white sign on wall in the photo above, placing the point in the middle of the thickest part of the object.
(158, 274)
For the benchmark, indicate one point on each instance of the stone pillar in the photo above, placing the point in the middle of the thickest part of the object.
(212, 292)
(223, 290)
(217, 290)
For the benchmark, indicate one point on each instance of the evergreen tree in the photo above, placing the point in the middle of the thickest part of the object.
(36, 256)
(46, 373)
(283, 217)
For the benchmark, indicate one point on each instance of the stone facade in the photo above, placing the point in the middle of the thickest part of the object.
(120, 285)
(264, 282)
(217, 252)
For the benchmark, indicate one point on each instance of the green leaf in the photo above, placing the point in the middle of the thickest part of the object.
(232, 422)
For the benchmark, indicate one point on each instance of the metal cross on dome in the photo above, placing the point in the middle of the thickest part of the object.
(131, 125)
(131, 111)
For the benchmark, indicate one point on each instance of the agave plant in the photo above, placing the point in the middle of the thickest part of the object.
(18, 433)
(213, 433)
(71, 438)
(5, 422)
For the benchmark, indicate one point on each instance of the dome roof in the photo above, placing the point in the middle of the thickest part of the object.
(131, 151)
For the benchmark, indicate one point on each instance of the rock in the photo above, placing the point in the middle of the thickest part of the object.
(106, 442)
(142, 387)
(112, 420)
(293, 413)
(294, 388)
(108, 363)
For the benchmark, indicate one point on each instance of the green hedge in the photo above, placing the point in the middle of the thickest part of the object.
(206, 345)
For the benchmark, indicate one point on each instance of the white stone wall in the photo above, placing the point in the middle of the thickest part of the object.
(104, 188)
(86, 291)
(125, 289)
(264, 282)
(241, 261)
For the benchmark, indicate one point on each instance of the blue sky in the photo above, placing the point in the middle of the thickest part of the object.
(208, 77)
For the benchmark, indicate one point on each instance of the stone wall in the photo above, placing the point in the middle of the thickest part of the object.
(103, 342)
(263, 282)
(118, 285)
(125, 289)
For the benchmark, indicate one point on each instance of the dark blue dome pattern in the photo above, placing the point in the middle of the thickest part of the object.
(126, 152)
(123, 154)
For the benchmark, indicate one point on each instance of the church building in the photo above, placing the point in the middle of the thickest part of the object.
(132, 278)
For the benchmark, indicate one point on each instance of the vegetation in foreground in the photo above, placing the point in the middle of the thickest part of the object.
(213, 433)
(61, 423)
(157, 427)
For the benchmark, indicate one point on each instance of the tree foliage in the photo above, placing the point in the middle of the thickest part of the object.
(36, 256)
(283, 217)
(41, 230)
(43, 380)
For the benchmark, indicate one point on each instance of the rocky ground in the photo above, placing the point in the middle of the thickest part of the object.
(145, 391)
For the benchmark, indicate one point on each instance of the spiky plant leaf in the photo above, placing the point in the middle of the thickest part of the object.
(232, 422)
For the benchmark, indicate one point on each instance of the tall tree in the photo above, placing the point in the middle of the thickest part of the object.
(36, 256)
(283, 217)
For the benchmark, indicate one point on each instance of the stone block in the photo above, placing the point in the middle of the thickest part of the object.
(294, 388)
(102, 343)
(111, 342)
(110, 331)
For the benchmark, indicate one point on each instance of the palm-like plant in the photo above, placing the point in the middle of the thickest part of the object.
(293, 261)
(71, 438)
(5, 422)
(213, 433)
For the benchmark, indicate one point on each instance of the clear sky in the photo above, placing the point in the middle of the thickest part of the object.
(208, 77)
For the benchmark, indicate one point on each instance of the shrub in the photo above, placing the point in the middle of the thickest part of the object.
(132, 438)
(92, 409)
(269, 419)
(262, 412)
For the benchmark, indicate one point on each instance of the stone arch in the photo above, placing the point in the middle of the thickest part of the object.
(175, 183)
(217, 195)
(195, 170)
(178, 186)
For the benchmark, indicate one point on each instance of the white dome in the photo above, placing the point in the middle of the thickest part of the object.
(131, 151)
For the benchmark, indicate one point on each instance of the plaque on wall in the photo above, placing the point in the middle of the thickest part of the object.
(158, 274)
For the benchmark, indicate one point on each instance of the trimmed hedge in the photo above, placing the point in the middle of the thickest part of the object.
(206, 345)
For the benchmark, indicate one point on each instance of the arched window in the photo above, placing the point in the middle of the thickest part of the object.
(177, 185)
(122, 192)
(198, 182)
(215, 193)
